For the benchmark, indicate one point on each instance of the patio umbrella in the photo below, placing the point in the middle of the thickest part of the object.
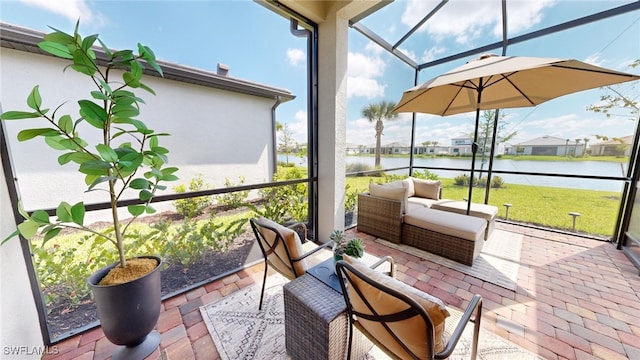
(496, 82)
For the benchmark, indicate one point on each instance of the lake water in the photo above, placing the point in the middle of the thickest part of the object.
(587, 168)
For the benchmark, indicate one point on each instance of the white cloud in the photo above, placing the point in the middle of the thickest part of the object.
(296, 57)
(410, 54)
(363, 73)
(360, 64)
(594, 59)
(430, 54)
(455, 20)
(573, 122)
(374, 48)
(362, 132)
(365, 87)
(574, 126)
(524, 15)
(71, 9)
(298, 126)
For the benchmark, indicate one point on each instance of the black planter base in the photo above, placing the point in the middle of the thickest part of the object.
(140, 351)
(129, 312)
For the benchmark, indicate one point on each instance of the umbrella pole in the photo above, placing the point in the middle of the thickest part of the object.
(474, 147)
(493, 148)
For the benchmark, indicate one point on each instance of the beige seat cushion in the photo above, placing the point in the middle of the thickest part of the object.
(411, 331)
(420, 201)
(429, 189)
(390, 192)
(292, 240)
(449, 223)
(487, 212)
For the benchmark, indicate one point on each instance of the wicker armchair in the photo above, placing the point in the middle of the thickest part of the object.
(282, 248)
(402, 321)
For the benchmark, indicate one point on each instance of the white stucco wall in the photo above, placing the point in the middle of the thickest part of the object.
(214, 132)
(332, 118)
(19, 324)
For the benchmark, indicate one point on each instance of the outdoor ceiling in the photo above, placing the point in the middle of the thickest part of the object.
(317, 11)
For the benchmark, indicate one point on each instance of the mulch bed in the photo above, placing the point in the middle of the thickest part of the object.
(68, 319)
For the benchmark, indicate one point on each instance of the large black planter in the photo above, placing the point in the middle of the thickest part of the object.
(129, 312)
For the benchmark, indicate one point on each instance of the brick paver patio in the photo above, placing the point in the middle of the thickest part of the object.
(576, 298)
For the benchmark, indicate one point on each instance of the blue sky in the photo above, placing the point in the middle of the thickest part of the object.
(257, 46)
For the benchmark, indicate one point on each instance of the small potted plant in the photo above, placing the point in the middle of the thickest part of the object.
(341, 246)
(127, 157)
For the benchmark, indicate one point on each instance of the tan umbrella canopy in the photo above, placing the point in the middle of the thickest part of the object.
(496, 82)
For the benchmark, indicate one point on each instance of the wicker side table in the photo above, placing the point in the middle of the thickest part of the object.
(316, 325)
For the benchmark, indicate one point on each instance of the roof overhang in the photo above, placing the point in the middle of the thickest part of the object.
(318, 10)
(23, 39)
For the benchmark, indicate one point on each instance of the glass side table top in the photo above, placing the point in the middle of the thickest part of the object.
(325, 273)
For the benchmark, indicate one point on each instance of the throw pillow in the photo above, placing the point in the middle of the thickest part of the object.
(429, 189)
(409, 191)
(389, 192)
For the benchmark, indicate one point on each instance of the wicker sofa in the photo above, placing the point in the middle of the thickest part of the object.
(403, 212)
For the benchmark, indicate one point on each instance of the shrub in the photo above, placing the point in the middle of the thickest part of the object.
(425, 174)
(481, 182)
(191, 240)
(357, 167)
(234, 199)
(461, 180)
(61, 278)
(350, 198)
(386, 178)
(497, 182)
(284, 203)
(194, 206)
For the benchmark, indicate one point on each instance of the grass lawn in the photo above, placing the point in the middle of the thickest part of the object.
(617, 159)
(539, 205)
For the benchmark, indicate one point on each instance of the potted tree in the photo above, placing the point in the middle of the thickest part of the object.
(127, 158)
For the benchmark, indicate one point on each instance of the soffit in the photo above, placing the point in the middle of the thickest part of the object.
(317, 11)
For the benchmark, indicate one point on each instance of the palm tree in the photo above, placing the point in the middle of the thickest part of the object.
(586, 141)
(379, 112)
(426, 146)
(575, 152)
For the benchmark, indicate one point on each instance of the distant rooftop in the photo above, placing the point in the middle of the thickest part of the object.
(546, 141)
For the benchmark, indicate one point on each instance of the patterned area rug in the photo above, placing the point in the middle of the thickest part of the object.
(498, 262)
(240, 331)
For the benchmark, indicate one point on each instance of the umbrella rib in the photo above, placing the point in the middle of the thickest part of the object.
(453, 98)
(598, 71)
(506, 78)
(516, 87)
(413, 98)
